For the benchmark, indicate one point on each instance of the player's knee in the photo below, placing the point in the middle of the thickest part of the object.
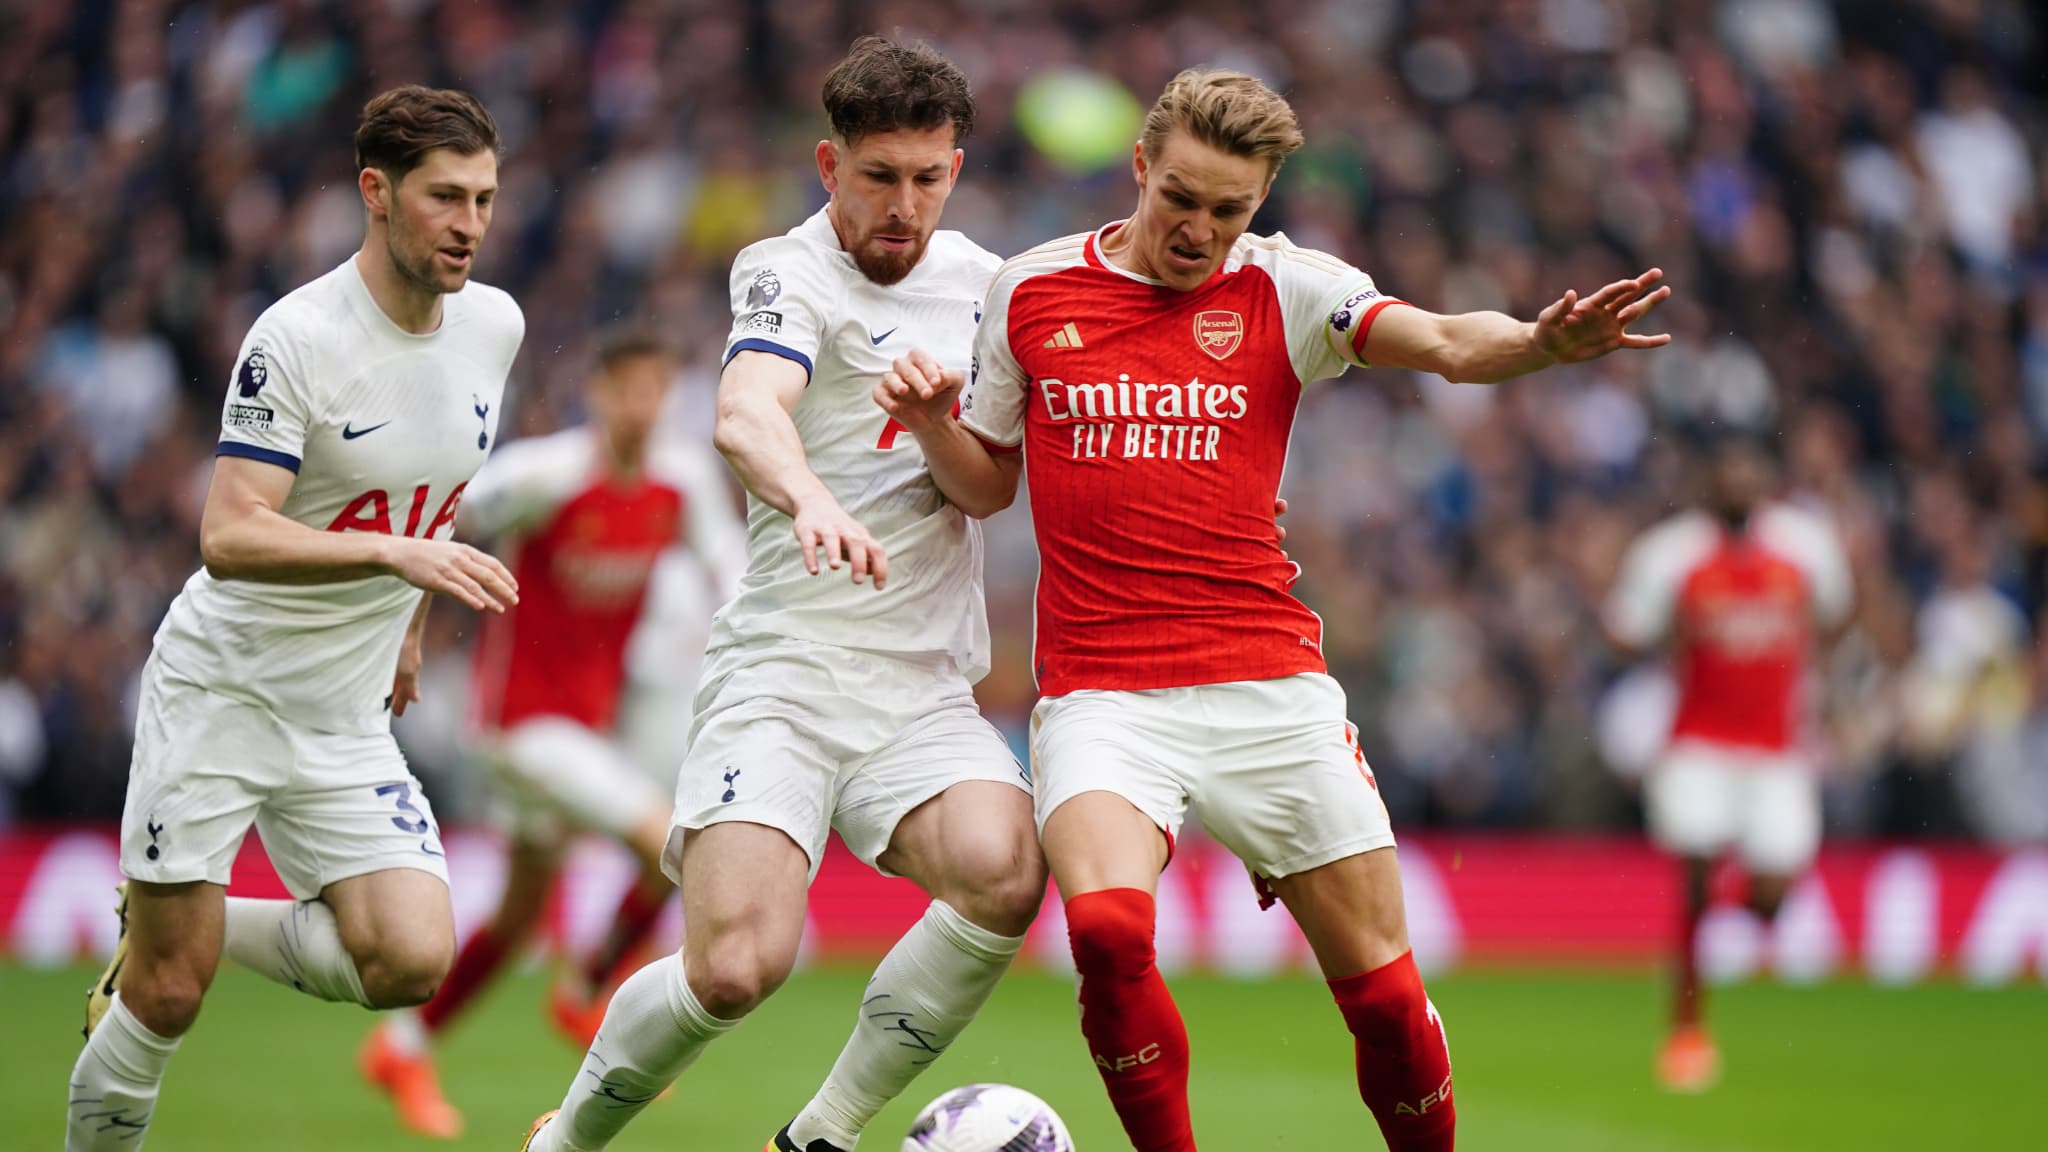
(735, 975)
(1111, 932)
(999, 888)
(404, 974)
(165, 1001)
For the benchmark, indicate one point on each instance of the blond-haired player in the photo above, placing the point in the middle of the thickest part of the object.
(1149, 373)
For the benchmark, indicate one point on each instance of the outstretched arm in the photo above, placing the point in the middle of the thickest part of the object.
(1488, 347)
(755, 434)
(920, 395)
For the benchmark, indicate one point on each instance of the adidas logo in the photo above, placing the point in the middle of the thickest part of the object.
(1067, 337)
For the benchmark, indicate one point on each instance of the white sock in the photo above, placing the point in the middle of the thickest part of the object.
(296, 943)
(405, 1031)
(653, 1030)
(114, 1084)
(920, 998)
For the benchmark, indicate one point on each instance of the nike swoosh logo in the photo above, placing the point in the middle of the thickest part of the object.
(877, 340)
(348, 433)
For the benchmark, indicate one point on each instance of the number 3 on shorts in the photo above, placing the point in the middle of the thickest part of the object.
(418, 825)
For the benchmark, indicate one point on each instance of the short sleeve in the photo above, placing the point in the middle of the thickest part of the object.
(1326, 304)
(1645, 595)
(522, 483)
(269, 404)
(992, 404)
(1809, 539)
(715, 532)
(780, 300)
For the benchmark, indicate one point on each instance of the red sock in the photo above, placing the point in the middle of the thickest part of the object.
(1129, 1019)
(478, 961)
(1404, 1063)
(639, 909)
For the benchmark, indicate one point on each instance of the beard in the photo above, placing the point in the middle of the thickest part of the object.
(884, 267)
(420, 270)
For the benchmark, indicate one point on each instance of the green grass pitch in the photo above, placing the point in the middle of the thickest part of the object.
(1543, 1061)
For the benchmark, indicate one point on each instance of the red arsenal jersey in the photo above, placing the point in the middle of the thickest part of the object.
(1740, 610)
(584, 544)
(1154, 424)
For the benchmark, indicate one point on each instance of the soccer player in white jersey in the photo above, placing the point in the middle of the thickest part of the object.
(361, 404)
(836, 690)
(1149, 372)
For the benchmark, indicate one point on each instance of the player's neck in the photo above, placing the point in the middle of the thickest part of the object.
(1119, 250)
(623, 458)
(412, 308)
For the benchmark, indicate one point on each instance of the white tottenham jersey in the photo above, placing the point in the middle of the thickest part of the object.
(383, 428)
(800, 296)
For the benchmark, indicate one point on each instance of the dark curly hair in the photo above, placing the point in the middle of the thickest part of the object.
(883, 86)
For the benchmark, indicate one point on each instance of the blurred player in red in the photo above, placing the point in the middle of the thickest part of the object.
(1740, 590)
(1150, 372)
(586, 516)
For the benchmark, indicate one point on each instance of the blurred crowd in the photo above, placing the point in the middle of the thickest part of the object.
(1850, 200)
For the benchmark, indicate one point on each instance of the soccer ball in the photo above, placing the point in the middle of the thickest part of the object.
(988, 1118)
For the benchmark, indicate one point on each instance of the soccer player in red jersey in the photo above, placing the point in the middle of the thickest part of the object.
(1741, 590)
(587, 515)
(1150, 372)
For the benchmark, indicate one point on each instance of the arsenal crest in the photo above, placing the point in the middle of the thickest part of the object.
(1219, 333)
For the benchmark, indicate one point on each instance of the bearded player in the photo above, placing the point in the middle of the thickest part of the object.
(1741, 591)
(837, 690)
(362, 404)
(1147, 376)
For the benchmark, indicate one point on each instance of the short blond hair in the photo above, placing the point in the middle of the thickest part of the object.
(1231, 111)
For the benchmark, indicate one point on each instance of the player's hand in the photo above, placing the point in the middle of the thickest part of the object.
(405, 687)
(473, 577)
(1279, 510)
(824, 530)
(917, 392)
(1572, 329)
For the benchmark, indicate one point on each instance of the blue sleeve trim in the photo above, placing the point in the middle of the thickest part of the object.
(284, 460)
(769, 346)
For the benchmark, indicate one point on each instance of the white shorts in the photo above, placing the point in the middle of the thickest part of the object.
(1272, 766)
(555, 774)
(328, 805)
(809, 737)
(1704, 799)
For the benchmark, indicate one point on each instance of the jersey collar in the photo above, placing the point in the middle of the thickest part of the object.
(1092, 252)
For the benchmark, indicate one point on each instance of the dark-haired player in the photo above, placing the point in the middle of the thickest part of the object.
(361, 405)
(828, 702)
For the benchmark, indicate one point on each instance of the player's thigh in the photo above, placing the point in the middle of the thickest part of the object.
(1280, 779)
(1110, 797)
(950, 808)
(201, 766)
(1350, 910)
(1781, 817)
(174, 934)
(1691, 800)
(561, 764)
(397, 921)
(352, 808)
(906, 810)
(744, 890)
